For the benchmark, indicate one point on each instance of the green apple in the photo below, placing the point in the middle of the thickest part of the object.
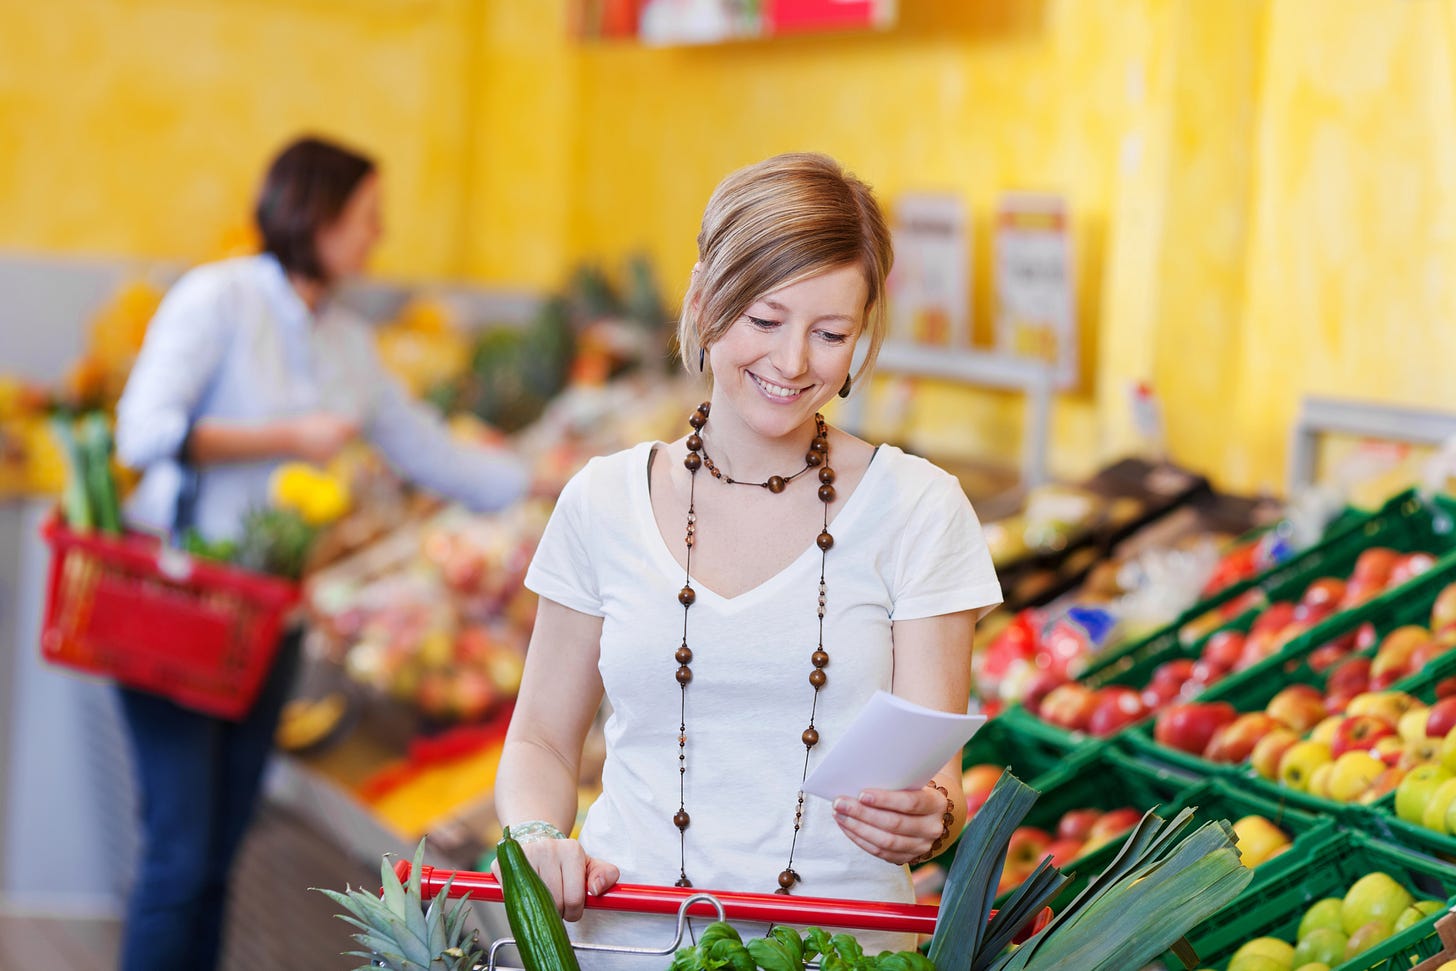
(1374, 897)
(1441, 800)
(1417, 912)
(1451, 819)
(1448, 752)
(1416, 789)
(1313, 966)
(1322, 913)
(1258, 962)
(1323, 944)
(1367, 936)
(1272, 949)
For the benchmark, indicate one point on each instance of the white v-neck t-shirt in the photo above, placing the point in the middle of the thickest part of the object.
(907, 545)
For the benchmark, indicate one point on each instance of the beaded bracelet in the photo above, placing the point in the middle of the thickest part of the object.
(947, 819)
(531, 830)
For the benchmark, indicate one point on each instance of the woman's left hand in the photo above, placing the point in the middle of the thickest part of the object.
(896, 825)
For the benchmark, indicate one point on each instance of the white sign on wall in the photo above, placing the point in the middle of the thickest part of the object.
(929, 287)
(1035, 302)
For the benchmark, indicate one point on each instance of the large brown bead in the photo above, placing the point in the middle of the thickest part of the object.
(695, 442)
(826, 493)
(686, 596)
(818, 678)
(680, 819)
(812, 458)
(819, 444)
(775, 484)
(787, 879)
(693, 461)
(826, 475)
(684, 655)
(825, 541)
(811, 737)
(684, 674)
(819, 659)
(682, 882)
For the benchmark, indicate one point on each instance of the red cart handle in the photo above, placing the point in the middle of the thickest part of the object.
(866, 915)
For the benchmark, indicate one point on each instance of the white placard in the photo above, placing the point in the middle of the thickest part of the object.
(1035, 296)
(893, 744)
(929, 288)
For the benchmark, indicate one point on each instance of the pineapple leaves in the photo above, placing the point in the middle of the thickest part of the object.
(398, 931)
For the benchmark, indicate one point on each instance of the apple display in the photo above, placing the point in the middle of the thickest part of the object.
(1274, 618)
(1446, 756)
(1438, 806)
(1418, 912)
(1389, 705)
(1410, 566)
(1393, 656)
(1421, 751)
(1443, 610)
(1111, 825)
(1267, 949)
(1374, 565)
(1385, 783)
(1351, 676)
(1189, 726)
(1325, 912)
(1026, 849)
(978, 781)
(1428, 652)
(1441, 718)
(1368, 935)
(1075, 824)
(1222, 650)
(1064, 851)
(1325, 590)
(1324, 945)
(1325, 730)
(1389, 749)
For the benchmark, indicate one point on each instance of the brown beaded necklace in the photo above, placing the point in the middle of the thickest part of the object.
(697, 457)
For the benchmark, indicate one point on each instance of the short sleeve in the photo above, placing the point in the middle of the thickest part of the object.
(944, 565)
(561, 570)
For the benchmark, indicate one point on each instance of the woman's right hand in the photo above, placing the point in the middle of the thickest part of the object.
(568, 873)
(318, 437)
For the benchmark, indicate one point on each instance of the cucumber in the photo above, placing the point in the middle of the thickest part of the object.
(539, 931)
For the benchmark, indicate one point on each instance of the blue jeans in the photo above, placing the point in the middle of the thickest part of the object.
(199, 779)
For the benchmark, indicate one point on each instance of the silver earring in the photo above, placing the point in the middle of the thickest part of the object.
(844, 391)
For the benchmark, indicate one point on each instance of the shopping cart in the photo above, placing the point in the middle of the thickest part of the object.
(766, 908)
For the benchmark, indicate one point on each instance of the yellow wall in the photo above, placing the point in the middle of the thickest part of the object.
(1262, 189)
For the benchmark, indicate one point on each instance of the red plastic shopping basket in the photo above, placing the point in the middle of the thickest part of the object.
(127, 607)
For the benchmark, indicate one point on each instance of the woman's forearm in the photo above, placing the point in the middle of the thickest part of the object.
(534, 783)
(214, 441)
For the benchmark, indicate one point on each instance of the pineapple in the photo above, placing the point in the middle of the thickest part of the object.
(399, 933)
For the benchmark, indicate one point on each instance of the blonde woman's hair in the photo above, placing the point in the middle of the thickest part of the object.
(773, 224)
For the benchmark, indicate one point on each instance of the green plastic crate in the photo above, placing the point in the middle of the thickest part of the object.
(1283, 889)
(1405, 523)
(1251, 690)
(1112, 779)
(1019, 739)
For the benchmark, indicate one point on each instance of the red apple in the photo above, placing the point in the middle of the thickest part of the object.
(1222, 650)
(1445, 688)
(1075, 824)
(1374, 564)
(1325, 590)
(1027, 847)
(1256, 648)
(1358, 733)
(1310, 614)
(1235, 741)
(1441, 718)
(1117, 707)
(1299, 706)
(1189, 726)
(978, 781)
(1388, 749)
(1069, 705)
(1427, 653)
(1327, 655)
(1365, 636)
(1112, 824)
(1410, 566)
(1275, 617)
(1385, 782)
(1350, 676)
(1395, 650)
(1041, 685)
(1064, 851)
(1336, 702)
(1269, 750)
(1173, 672)
(1204, 673)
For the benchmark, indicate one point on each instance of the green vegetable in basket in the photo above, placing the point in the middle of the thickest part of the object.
(535, 923)
(399, 933)
(275, 541)
(75, 503)
(100, 484)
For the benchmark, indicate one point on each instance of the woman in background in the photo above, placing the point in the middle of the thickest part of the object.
(739, 594)
(249, 363)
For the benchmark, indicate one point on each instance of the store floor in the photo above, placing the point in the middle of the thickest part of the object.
(275, 921)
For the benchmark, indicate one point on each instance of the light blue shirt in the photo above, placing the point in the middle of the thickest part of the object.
(233, 340)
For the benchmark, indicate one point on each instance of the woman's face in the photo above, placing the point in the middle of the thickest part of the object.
(790, 352)
(344, 245)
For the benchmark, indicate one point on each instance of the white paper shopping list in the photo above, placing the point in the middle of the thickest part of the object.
(893, 744)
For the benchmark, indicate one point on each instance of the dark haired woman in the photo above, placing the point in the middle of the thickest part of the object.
(247, 364)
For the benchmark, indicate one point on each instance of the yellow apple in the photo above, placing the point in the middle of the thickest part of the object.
(1389, 705)
(1375, 898)
(1448, 752)
(1415, 790)
(1259, 840)
(1325, 730)
(1301, 761)
(1322, 913)
(1319, 780)
(1422, 751)
(1412, 724)
(1269, 948)
(1352, 773)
